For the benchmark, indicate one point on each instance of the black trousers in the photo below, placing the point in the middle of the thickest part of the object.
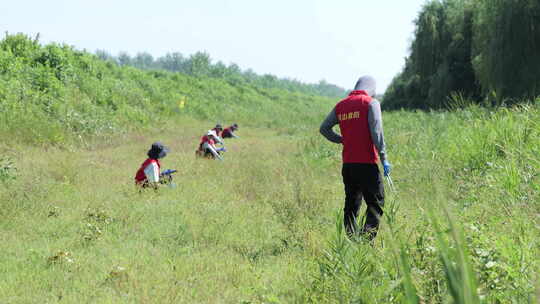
(362, 181)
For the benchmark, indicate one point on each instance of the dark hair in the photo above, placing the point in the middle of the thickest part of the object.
(153, 154)
(157, 151)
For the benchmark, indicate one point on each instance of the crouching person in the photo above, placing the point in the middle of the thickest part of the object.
(229, 132)
(150, 171)
(218, 129)
(207, 147)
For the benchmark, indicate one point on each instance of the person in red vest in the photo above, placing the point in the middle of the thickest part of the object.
(150, 170)
(360, 122)
(229, 132)
(207, 146)
(219, 133)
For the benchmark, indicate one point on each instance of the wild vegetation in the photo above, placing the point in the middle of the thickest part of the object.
(480, 50)
(263, 226)
(56, 94)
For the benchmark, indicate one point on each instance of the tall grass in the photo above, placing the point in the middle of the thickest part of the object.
(463, 213)
(264, 226)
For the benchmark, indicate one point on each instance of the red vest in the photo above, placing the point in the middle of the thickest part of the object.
(352, 114)
(218, 132)
(140, 176)
(227, 132)
(206, 139)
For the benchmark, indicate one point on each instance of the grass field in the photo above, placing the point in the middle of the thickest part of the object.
(263, 226)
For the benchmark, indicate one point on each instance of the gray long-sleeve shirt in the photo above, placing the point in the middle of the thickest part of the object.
(375, 128)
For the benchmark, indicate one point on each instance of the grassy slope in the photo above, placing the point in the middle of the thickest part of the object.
(57, 95)
(261, 226)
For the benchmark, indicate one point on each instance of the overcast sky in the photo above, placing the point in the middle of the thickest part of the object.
(308, 40)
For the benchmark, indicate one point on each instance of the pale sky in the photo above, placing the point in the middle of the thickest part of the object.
(308, 40)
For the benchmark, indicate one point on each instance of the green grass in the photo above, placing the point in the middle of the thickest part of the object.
(264, 225)
(56, 95)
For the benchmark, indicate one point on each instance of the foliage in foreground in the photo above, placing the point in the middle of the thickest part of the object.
(462, 225)
(260, 227)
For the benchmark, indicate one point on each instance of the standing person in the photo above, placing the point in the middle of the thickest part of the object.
(150, 170)
(360, 122)
(229, 132)
(207, 146)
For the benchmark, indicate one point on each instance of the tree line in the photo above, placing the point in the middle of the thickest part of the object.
(487, 51)
(200, 64)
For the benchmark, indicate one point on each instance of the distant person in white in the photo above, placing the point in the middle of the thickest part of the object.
(207, 147)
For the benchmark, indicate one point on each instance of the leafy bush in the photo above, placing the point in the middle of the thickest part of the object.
(55, 94)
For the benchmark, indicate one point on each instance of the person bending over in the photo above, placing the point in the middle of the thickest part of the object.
(229, 132)
(207, 146)
(218, 129)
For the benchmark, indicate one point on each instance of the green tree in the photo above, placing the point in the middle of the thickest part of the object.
(507, 45)
(199, 64)
(143, 60)
(476, 48)
(123, 59)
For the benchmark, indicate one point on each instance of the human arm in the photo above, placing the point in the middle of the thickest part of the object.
(377, 133)
(327, 125)
(166, 176)
(152, 174)
(376, 128)
(219, 140)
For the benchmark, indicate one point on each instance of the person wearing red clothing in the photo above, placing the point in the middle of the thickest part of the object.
(207, 146)
(218, 129)
(229, 132)
(150, 171)
(360, 123)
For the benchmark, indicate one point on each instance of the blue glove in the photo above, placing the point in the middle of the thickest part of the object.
(387, 168)
(168, 172)
(222, 149)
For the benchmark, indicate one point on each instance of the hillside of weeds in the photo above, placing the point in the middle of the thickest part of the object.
(53, 94)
